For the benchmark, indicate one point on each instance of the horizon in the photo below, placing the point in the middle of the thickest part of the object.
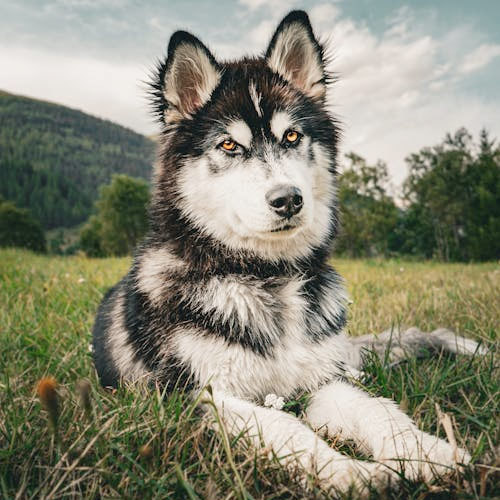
(407, 74)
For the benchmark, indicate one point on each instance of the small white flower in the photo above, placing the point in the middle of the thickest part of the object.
(354, 374)
(274, 401)
(91, 348)
(81, 280)
(401, 269)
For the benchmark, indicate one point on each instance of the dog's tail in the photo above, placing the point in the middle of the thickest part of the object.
(396, 345)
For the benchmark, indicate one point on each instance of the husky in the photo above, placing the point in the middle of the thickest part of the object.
(232, 287)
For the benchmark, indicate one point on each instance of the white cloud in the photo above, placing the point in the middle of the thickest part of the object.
(323, 15)
(261, 33)
(480, 57)
(253, 4)
(397, 91)
(277, 5)
(112, 91)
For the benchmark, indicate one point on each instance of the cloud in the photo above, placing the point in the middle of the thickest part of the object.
(480, 57)
(323, 15)
(398, 90)
(114, 91)
(253, 4)
(278, 6)
(262, 32)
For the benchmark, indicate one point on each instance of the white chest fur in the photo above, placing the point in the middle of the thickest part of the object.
(294, 362)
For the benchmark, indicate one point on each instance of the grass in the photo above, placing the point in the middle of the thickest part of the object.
(137, 444)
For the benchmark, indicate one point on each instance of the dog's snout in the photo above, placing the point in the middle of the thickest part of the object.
(286, 201)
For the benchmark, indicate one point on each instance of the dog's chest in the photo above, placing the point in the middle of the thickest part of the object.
(279, 354)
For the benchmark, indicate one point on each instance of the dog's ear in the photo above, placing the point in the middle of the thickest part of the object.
(187, 78)
(295, 54)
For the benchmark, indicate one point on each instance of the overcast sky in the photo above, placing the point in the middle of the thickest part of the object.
(408, 71)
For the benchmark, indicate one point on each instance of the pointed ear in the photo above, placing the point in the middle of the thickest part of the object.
(295, 54)
(186, 79)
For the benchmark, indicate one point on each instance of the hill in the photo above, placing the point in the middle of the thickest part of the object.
(53, 158)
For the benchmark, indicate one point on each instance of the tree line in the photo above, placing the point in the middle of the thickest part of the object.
(53, 159)
(448, 208)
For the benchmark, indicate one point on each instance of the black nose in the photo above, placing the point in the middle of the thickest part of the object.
(286, 201)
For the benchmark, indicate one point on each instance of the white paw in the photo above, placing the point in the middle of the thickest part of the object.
(354, 475)
(423, 456)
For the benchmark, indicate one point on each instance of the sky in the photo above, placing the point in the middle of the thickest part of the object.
(407, 72)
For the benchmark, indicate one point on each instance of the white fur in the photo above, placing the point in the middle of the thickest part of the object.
(240, 132)
(256, 98)
(121, 352)
(297, 445)
(248, 302)
(296, 361)
(280, 123)
(240, 378)
(295, 364)
(452, 342)
(380, 428)
(231, 206)
(153, 267)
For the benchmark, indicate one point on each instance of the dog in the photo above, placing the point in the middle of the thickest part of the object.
(232, 287)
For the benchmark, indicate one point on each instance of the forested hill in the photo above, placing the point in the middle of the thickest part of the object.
(53, 159)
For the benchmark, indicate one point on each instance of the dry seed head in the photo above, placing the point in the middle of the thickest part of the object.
(47, 392)
(83, 388)
(146, 451)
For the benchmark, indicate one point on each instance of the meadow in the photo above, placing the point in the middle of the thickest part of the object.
(135, 443)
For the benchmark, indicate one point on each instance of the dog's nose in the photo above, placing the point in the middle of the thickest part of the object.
(286, 201)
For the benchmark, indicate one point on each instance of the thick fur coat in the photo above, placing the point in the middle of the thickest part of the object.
(232, 288)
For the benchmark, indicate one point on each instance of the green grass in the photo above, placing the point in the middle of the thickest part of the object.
(46, 314)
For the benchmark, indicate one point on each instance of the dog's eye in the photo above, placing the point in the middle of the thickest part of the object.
(228, 145)
(292, 137)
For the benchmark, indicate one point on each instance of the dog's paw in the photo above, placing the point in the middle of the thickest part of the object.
(425, 457)
(356, 476)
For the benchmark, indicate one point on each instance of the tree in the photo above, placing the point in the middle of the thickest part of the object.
(90, 238)
(452, 195)
(413, 234)
(483, 220)
(368, 214)
(121, 219)
(18, 228)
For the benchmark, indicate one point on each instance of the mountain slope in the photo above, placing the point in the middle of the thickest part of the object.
(53, 159)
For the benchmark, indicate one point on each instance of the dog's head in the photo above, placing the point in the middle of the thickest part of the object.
(248, 147)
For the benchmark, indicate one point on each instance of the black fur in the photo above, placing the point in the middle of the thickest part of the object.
(105, 366)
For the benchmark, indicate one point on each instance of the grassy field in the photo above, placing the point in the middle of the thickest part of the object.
(133, 444)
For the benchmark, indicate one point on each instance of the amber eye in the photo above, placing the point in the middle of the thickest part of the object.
(228, 145)
(292, 136)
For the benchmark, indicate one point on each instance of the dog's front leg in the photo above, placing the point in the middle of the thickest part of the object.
(297, 445)
(379, 427)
